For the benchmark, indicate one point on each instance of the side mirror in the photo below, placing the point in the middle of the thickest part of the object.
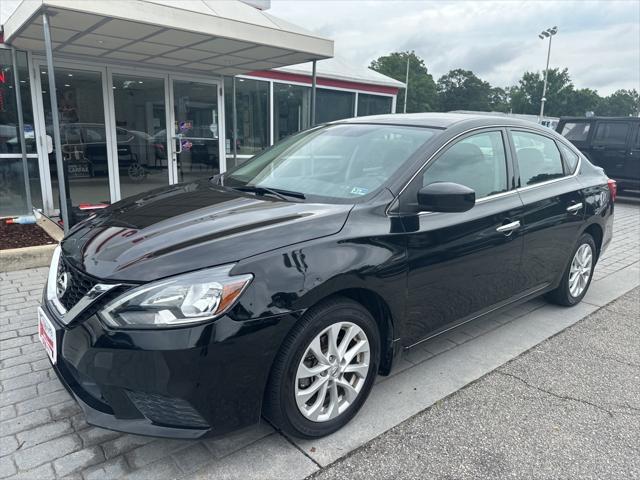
(446, 197)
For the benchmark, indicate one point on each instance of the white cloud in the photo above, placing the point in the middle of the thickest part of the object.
(598, 41)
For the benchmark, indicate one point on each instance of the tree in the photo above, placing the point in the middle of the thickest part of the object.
(526, 96)
(620, 103)
(500, 99)
(582, 101)
(462, 90)
(422, 89)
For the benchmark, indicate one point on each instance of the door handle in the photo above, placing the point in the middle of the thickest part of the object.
(598, 147)
(509, 227)
(574, 208)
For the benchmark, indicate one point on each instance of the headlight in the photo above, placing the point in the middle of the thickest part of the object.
(181, 300)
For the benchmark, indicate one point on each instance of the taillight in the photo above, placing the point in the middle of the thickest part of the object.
(613, 188)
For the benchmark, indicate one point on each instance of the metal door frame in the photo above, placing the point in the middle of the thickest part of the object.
(113, 140)
(38, 65)
(171, 144)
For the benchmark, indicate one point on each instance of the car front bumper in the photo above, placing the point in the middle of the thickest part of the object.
(181, 383)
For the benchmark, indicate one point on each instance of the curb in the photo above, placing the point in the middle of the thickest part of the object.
(32, 257)
(49, 226)
(27, 257)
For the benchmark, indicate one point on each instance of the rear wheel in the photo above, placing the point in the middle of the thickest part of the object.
(324, 371)
(577, 277)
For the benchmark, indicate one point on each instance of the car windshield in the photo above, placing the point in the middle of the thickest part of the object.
(336, 162)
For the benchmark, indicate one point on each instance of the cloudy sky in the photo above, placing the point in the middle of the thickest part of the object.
(599, 41)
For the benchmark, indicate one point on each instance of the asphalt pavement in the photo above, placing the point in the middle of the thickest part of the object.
(567, 408)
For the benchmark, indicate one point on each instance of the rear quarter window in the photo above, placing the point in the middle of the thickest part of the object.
(570, 157)
(576, 131)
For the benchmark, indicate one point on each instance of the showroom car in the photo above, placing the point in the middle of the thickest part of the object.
(281, 288)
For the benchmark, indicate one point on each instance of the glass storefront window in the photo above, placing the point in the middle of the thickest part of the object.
(141, 133)
(9, 141)
(252, 106)
(373, 104)
(291, 106)
(333, 105)
(82, 135)
(13, 196)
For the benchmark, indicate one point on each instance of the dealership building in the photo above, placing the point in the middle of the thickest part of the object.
(157, 93)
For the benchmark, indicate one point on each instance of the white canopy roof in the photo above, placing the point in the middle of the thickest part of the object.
(342, 70)
(225, 37)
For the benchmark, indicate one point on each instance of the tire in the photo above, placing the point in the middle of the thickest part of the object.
(286, 384)
(564, 294)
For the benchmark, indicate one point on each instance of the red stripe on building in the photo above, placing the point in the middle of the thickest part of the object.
(322, 81)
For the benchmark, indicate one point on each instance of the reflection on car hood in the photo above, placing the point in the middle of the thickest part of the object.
(190, 226)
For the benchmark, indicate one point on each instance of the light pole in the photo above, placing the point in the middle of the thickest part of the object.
(406, 86)
(548, 33)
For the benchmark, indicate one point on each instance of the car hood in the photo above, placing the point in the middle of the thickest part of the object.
(191, 226)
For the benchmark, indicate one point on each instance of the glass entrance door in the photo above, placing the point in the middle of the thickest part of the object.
(196, 129)
(83, 136)
(140, 133)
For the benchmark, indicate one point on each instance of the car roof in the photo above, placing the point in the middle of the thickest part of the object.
(442, 120)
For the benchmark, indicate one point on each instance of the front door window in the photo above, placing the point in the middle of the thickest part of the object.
(82, 135)
(196, 129)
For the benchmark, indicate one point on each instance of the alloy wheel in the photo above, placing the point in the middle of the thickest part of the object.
(332, 371)
(580, 270)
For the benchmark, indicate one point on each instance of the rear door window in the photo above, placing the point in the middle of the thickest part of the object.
(611, 133)
(576, 131)
(538, 158)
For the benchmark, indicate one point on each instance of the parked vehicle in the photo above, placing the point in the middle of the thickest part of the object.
(609, 142)
(284, 286)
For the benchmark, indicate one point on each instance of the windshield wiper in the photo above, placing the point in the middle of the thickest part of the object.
(281, 194)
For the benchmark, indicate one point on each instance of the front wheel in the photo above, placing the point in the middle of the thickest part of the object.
(324, 371)
(578, 274)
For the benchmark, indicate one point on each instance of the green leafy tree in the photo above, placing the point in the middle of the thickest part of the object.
(500, 99)
(422, 89)
(463, 90)
(620, 103)
(527, 95)
(581, 101)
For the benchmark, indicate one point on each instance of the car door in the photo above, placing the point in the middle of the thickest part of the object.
(553, 206)
(461, 264)
(609, 146)
(632, 163)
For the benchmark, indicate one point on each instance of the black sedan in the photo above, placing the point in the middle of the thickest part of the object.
(284, 286)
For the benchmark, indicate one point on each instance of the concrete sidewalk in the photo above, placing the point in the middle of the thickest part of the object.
(568, 408)
(44, 435)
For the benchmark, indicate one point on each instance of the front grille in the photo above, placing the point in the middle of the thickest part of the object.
(168, 411)
(78, 284)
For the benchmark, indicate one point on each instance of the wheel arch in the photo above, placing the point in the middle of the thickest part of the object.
(597, 233)
(377, 306)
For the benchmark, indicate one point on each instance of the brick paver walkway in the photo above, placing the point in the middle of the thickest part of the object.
(43, 433)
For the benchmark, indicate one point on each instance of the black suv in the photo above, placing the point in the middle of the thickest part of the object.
(612, 143)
